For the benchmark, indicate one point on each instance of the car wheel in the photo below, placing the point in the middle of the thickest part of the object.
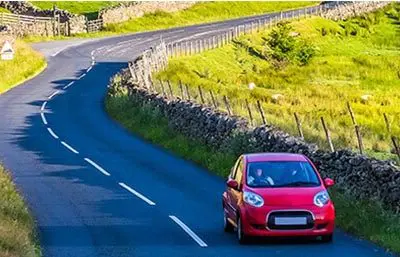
(242, 238)
(228, 227)
(327, 238)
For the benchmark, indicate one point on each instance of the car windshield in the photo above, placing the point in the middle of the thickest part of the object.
(281, 174)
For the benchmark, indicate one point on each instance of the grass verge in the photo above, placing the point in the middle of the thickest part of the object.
(353, 59)
(4, 10)
(26, 64)
(363, 218)
(17, 230)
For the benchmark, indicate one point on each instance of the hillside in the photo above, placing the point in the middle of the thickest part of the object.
(352, 59)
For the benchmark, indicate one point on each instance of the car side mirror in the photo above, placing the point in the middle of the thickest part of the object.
(329, 182)
(232, 184)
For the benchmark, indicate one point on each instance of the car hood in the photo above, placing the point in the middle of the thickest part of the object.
(289, 197)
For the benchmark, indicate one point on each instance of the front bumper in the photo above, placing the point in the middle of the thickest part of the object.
(259, 222)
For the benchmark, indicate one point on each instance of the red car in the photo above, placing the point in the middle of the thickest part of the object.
(277, 194)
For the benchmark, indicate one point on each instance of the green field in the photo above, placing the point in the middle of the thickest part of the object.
(88, 8)
(4, 10)
(26, 64)
(353, 58)
(367, 219)
(17, 230)
(201, 13)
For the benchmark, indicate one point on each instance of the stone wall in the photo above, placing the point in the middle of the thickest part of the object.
(358, 175)
(69, 23)
(354, 9)
(130, 10)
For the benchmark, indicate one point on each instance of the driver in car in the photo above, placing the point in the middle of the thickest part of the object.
(258, 178)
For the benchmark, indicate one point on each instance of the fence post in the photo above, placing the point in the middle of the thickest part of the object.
(250, 114)
(228, 107)
(393, 138)
(327, 134)
(170, 89)
(357, 129)
(162, 89)
(201, 95)
(181, 88)
(299, 128)
(213, 100)
(187, 92)
(260, 109)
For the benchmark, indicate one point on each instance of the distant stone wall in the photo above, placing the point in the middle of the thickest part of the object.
(126, 11)
(354, 9)
(69, 23)
(358, 175)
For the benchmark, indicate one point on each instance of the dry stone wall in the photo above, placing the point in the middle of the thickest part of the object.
(358, 175)
(354, 9)
(130, 10)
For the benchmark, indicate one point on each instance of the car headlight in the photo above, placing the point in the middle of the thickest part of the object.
(253, 199)
(321, 198)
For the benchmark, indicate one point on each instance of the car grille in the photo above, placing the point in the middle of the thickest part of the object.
(287, 214)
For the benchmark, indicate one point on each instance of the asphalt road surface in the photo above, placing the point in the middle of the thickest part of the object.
(95, 189)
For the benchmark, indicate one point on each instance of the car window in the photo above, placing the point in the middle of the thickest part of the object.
(281, 174)
(239, 171)
(234, 168)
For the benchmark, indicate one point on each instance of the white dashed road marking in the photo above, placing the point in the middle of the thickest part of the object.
(43, 106)
(97, 166)
(144, 198)
(52, 133)
(89, 69)
(52, 95)
(43, 118)
(83, 75)
(69, 147)
(188, 231)
(69, 84)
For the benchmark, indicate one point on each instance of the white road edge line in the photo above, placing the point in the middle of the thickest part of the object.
(43, 106)
(97, 166)
(188, 231)
(144, 198)
(54, 94)
(52, 133)
(89, 69)
(69, 147)
(43, 118)
(83, 75)
(69, 84)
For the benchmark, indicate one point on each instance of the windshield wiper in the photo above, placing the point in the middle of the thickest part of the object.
(298, 184)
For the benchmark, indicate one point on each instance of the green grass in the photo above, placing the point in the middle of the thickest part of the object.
(17, 230)
(201, 13)
(345, 68)
(88, 8)
(363, 218)
(4, 10)
(26, 64)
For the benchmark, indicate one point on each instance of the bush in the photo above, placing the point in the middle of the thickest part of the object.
(305, 53)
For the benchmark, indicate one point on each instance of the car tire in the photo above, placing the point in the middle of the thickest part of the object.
(327, 238)
(242, 238)
(228, 227)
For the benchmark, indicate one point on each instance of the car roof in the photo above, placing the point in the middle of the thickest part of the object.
(262, 157)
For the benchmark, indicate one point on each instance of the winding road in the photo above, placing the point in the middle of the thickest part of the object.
(97, 190)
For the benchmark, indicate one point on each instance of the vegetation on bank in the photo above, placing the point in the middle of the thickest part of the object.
(365, 219)
(4, 10)
(17, 229)
(88, 8)
(357, 60)
(202, 13)
(26, 64)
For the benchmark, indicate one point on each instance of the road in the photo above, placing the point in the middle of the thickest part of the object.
(97, 190)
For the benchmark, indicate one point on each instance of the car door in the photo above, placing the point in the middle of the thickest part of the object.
(231, 210)
(237, 194)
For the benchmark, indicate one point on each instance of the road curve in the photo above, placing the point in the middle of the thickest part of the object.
(96, 190)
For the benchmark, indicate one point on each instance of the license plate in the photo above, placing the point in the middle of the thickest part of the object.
(290, 221)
